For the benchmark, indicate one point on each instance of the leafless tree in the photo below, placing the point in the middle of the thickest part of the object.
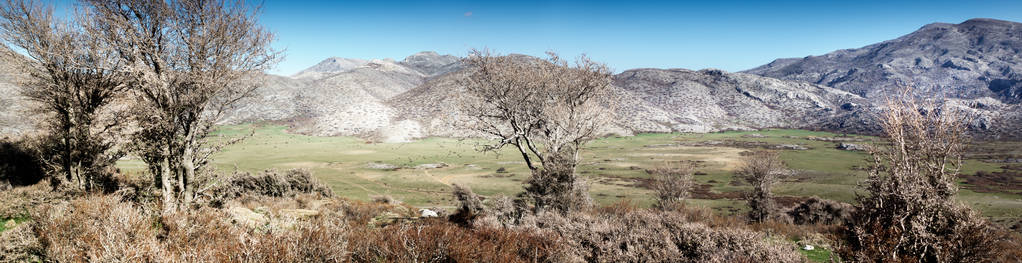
(190, 61)
(547, 110)
(673, 184)
(71, 75)
(762, 169)
(910, 212)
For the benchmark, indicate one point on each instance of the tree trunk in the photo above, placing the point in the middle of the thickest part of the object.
(168, 191)
(188, 165)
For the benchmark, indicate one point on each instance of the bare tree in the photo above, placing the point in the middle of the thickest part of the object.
(762, 169)
(190, 61)
(910, 212)
(673, 184)
(73, 78)
(547, 110)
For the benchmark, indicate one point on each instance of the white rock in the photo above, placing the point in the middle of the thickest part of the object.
(808, 247)
(428, 213)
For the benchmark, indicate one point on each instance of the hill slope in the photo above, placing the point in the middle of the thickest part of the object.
(977, 58)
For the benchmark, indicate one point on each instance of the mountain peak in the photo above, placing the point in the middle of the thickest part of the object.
(432, 63)
(331, 65)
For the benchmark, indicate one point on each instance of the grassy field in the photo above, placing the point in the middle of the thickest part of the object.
(615, 166)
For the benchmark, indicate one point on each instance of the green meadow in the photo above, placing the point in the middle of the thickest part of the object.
(614, 166)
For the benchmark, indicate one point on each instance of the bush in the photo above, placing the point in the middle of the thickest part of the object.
(271, 183)
(103, 229)
(438, 241)
(19, 244)
(23, 201)
(558, 189)
(911, 212)
(820, 211)
(206, 236)
(470, 205)
(97, 229)
(20, 164)
(646, 236)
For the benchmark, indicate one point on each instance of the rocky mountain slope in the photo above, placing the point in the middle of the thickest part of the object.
(341, 96)
(975, 65)
(658, 100)
(975, 59)
(711, 100)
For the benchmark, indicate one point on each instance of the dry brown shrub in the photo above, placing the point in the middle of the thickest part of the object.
(820, 211)
(271, 183)
(385, 199)
(103, 229)
(20, 244)
(647, 236)
(97, 229)
(206, 235)
(439, 241)
(25, 201)
(470, 205)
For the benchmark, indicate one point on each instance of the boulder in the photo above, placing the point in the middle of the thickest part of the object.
(851, 147)
(247, 217)
(791, 147)
(428, 213)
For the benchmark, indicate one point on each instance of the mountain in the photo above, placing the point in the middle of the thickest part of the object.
(973, 66)
(341, 96)
(974, 59)
(713, 100)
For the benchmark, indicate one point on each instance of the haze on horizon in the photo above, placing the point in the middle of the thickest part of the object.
(732, 35)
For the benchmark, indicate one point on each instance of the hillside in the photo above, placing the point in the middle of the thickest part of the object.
(974, 59)
(976, 65)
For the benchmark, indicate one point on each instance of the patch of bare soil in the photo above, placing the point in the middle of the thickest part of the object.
(747, 145)
(1007, 181)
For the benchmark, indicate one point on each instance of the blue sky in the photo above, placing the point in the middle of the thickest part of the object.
(730, 35)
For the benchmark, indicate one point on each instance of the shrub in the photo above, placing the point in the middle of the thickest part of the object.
(206, 236)
(23, 201)
(557, 189)
(910, 212)
(647, 236)
(19, 164)
(268, 183)
(672, 183)
(385, 199)
(19, 244)
(470, 205)
(438, 241)
(103, 229)
(97, 229)
(820, 211)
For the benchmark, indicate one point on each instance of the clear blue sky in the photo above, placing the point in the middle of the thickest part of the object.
(730, 35)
